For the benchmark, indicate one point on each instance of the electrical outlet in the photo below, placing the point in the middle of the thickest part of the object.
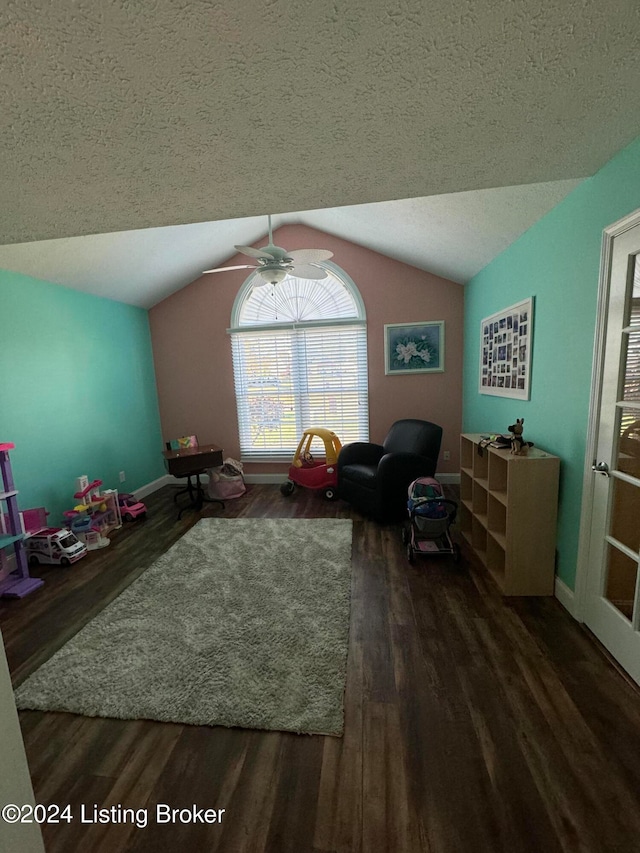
(122, 477)
(446, 455)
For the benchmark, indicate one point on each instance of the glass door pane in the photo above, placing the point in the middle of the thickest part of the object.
(621, 579)
(625, 514)
(623, 540)
(631, 355)
(627, 455)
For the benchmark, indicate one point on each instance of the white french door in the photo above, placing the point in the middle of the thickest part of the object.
(612, 601)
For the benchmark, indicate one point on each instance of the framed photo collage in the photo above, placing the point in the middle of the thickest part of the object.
(505, 352)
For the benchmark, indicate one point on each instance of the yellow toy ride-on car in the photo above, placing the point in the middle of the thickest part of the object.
(319, 474)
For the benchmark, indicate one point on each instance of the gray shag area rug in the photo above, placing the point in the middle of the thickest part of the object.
(243, 622)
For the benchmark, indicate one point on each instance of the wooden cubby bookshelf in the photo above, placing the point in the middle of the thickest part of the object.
(508, 514)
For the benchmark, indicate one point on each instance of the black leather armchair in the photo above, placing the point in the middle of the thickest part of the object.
(375, 477)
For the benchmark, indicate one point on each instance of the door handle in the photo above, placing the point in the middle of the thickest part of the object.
(600, 468)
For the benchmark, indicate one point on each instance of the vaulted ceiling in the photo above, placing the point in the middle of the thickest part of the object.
(123, 116)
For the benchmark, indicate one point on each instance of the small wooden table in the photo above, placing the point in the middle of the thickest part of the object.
(191, 462)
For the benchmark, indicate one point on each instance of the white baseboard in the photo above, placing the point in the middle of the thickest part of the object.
(143, 491)
(565, 596)
(170, 480)
(453, 479)
(280, 478)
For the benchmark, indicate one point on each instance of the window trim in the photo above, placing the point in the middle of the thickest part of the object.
(337, 271)
(358, 321)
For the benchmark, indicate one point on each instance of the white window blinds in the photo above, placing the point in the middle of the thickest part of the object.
(299, 361)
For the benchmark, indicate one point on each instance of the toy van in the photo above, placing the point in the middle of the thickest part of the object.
(54, 545)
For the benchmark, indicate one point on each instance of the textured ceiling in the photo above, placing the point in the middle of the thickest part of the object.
(453, 236)
(123, 114)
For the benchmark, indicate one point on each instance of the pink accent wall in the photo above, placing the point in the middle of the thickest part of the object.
(192, 350)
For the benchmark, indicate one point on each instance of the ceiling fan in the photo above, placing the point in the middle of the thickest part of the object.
(275, 263)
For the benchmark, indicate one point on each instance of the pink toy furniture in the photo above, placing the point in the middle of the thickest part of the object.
(96, 515)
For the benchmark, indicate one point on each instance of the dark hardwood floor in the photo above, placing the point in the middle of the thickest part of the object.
(473, 723)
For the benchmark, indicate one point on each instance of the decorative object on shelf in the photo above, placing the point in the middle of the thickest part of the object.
(519, 446)
(505, 352)
(15, 581)
(183, 443)
(414, 347)
(508, 514)
(499, 442)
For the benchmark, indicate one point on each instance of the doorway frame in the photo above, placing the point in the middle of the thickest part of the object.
(609, 234)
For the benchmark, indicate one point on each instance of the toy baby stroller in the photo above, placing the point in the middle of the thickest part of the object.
(430, 517)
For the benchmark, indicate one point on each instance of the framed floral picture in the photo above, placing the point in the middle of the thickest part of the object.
(506, 343)
(414, 347)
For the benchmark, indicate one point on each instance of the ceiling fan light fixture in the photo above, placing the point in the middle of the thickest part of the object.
(273, 276)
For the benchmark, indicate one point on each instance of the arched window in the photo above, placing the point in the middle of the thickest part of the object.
(299, 360)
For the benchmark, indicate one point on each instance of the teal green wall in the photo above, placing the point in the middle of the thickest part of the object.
(557, 262)
(78, 392)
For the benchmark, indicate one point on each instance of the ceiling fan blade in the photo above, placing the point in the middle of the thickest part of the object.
(253, 253)
(308, 271)
(226, 269)
(309, 256)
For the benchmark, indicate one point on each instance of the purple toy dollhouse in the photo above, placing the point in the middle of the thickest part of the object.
(15, 581)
